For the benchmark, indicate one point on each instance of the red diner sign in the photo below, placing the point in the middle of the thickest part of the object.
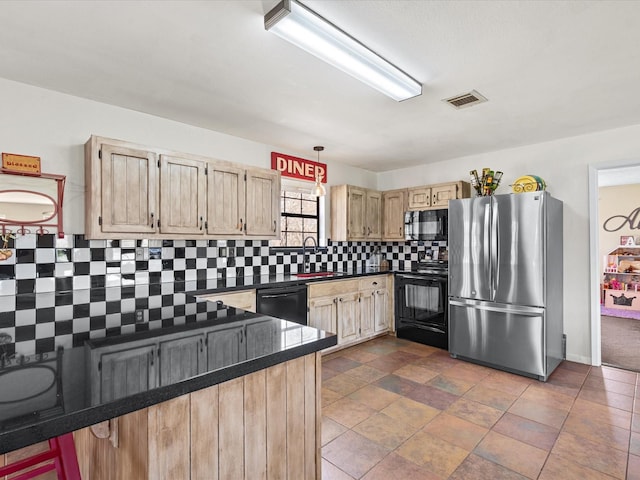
(298, 167)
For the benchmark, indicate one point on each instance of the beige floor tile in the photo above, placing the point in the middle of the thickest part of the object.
(348, 412)
(331, 429)
(518, 456)
(456, 431)
(343, 384)
(374, 397)
(366, 373)
(411, 412)
(557, 467)
(386, 431)
(436, 455)
(395, 467)
(475, 412)
(331, 472)
(415, 373)
(594, 455)
(604, 413)
(538, 412)
(354, 454)
(592, 428)
(527, 431)
(491, 397)
(451, 384)
(477, 468)
(329, 396)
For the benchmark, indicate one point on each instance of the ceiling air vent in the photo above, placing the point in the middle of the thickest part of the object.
(465, 100)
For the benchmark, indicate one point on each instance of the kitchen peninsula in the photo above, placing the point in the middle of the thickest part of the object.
(213, 392)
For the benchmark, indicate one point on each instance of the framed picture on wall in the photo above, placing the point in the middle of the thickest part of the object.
(627, 240)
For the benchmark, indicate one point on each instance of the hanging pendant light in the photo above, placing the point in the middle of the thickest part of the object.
(318, 189)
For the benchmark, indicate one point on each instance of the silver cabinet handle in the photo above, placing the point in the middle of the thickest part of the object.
(274, 226)
(240, 225)
(201, 223)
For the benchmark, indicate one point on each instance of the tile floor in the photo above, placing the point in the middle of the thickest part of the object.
(394, 409)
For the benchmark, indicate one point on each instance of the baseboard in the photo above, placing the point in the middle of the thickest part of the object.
(579, 359)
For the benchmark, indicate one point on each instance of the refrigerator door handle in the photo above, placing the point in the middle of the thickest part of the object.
(495, 249)
(520, 310)
(488, 241)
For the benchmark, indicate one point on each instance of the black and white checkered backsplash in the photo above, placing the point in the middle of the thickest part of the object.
(47, 279)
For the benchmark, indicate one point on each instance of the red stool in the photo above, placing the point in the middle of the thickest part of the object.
(62, 451)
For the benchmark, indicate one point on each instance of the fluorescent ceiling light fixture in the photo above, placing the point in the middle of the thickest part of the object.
(306, 29)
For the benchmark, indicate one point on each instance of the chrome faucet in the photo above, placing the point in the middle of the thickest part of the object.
(305, 262)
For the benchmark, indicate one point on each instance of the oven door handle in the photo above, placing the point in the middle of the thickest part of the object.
(279, 295)
(415, 277)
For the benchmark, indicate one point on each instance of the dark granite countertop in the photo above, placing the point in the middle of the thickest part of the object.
(48, 394)
(51, 393)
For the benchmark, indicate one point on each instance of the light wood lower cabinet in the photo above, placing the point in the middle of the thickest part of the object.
(265, 425)
(245, 299)
(353, 309)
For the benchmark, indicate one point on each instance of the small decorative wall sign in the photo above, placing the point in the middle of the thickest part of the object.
(627, 240)
(20, 163)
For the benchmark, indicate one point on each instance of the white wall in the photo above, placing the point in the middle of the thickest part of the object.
(564, 165)
(55, 127)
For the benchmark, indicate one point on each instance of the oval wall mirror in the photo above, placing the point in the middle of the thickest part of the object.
(21, 206)
(31, 203)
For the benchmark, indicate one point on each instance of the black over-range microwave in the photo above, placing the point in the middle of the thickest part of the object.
(426, 225)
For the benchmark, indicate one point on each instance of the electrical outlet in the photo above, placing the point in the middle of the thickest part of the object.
(142, 254)
(139, 316)
(222, 252)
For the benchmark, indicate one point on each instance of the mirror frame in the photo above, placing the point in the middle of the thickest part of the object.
(54, 220)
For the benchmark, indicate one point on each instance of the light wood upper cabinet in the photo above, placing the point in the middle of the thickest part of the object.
(183, 196)
(432, 197)
(122, 196)
(263, 203)
(226, 201)
(419, 198)
(393, 208)
(140, 192)
(356, 214)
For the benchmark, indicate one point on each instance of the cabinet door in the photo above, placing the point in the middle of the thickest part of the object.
(225, 200)
(262, 338)
(356, 211)
(441, 194)
(126, 372)
(373, 217)
(128, 189)
(225, 346)
(181, 358)
(245, 299)
(348, 317)
(323, 313)
(393, 207)
(263, 203)
(367, 312)
(183, 195)
(419, 198)
(381, 310)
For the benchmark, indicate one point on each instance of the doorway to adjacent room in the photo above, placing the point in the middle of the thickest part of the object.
(616, 315)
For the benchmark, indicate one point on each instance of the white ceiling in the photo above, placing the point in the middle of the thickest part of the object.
(550, 69)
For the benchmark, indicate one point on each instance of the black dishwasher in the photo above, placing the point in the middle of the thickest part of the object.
(288, 303)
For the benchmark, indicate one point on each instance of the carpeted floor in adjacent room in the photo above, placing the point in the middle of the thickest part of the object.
(621, 342)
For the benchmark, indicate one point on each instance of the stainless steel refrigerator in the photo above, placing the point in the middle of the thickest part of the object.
(505, 282)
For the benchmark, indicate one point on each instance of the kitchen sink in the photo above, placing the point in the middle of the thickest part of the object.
(313, 274)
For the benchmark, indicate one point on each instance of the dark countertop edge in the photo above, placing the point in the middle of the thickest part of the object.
(291, 281)
(46, 429)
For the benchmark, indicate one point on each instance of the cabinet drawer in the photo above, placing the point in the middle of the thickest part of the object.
(367, 283)
(333, 287)
(245, 299)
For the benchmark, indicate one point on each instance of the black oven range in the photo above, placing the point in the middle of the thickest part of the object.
(421, 304)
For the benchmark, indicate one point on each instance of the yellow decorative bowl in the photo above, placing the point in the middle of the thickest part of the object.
(528, 183)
